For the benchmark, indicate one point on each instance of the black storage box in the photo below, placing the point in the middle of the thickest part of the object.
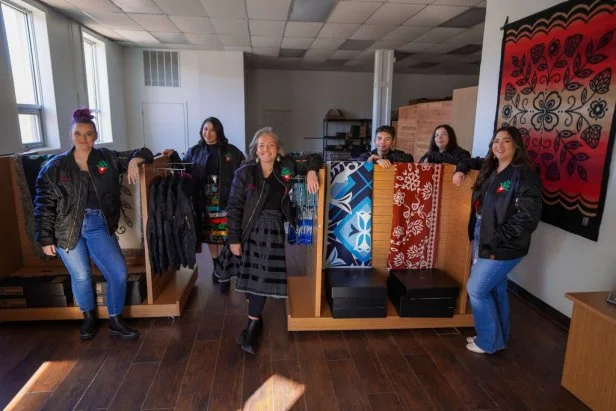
(43, 300)
(11, 286)
(33, 286)
(131, 299)
(135, 285)
(356, 293)
(13, 302)
(423, 293)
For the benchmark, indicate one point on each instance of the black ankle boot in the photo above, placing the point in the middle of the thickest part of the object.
(88, 326)
(249, 338)
(224, 287)
(117, 326)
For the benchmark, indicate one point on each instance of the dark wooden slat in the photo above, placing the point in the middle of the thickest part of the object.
(289, 393)
(372, 374)
(319, 390)
(103, 388)
(491, 382)
(258, 382)
(406, 342)
(70, 391)
(135, 387)
(385, 401)
(433, 381)
(334, 345)
(168, 380)
(31, 402)
(197, 384)
(156, 342)
(227, 386)
(347, 385)
(460, 379)
(402, 378)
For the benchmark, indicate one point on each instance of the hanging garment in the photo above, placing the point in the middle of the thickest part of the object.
(349, 242)
(173, 254)
(414, 228)
(151, 228)
(185, 228)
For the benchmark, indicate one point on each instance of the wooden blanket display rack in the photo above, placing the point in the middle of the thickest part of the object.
(167, 293)
(307, 307)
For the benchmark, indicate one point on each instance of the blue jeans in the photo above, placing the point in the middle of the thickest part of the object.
(97, 243)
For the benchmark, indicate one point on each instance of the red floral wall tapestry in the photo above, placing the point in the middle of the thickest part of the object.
(557, 85)
(414, 226)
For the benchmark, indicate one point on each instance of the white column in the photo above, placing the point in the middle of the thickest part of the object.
(11, 136)
(382, 89)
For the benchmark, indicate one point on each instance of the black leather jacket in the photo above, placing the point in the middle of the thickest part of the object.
(458, 156)
(517, 213)
(249, 194)
(62, 192)
(230, 159)
(395, 156)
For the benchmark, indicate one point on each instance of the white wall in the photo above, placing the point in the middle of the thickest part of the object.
(558, 261)
(308, 95)
(63, 69)
(211, 84)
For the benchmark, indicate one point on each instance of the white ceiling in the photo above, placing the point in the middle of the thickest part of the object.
(421, 31)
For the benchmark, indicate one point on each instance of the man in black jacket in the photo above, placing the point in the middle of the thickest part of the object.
(384, 154)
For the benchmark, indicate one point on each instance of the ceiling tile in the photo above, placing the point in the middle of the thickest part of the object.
(230, 26)
(438, 35)
(310, 10)
(371, 32)
(210, 41)
(443, 48)
(171, 38)
(356, 45)
(467, 3)
(483, 4)
(468, 19)
(338, 31)
(302, 29)
(234, 40)
(59, 4)
(192, 8)
(394, 14)
(266, 28)
(467, 49)
(263, 41)
(387, 44)
(193, 24)
(265, 51)
(238, 48)
(142, 37)
(432, 16)
(294, 53)
(268, 9)
(79, 16)
(352, 12)
(96, 5)
(153, 22)
(296, 42)
(225, 9)
(414, 47)
(313, 54)
(336, 62)
(138, 6)
(344, 54)
(406, 33)
(104, 31)
(471, 36)
(114, 20)
(327, 44)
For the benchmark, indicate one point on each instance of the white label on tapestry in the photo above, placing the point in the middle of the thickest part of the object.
(585, 221)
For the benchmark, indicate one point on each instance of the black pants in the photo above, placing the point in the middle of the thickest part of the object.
(255, 305)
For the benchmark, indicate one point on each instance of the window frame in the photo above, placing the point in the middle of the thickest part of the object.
(31, 109)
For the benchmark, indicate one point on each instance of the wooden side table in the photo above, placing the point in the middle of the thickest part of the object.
(589, 372)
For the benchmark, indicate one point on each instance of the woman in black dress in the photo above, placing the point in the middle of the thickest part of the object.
(257, 208)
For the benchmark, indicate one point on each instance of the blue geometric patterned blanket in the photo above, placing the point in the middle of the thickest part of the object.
(349, 225)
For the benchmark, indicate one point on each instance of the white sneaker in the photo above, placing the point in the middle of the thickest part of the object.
(474, 348)
(471, 339)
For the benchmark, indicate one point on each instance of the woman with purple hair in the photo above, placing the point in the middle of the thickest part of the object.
(76, 212)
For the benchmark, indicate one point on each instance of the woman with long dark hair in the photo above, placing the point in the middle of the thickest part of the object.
(212, 163)
(76, 212)
(444, 148)
(258, 206)
(506, 206)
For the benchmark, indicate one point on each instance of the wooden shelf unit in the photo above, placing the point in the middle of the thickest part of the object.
(167, 293)
(307, 307)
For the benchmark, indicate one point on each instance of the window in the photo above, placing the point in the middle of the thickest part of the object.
(26, 77)
(98, 86)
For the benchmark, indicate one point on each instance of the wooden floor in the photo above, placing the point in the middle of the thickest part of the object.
(193, 363)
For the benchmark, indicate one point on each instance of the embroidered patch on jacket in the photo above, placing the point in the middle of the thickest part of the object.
(504, 186)
(286, 174)
(228, 157)
(102, 167)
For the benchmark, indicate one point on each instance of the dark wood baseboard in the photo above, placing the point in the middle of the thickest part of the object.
(544, 309)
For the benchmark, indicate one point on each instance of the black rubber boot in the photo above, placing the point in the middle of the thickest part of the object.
(118, 327)
(88, 326)
(225, 287)
(249, 337)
